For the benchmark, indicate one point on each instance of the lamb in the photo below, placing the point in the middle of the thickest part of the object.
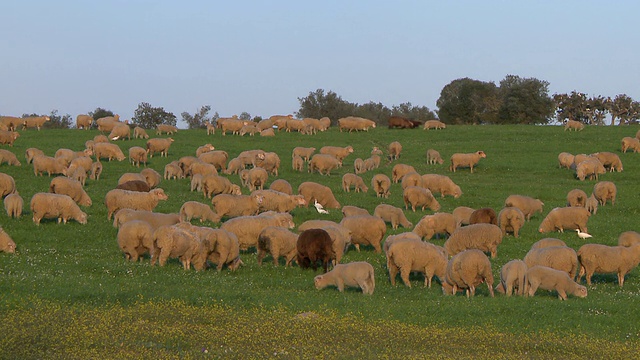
(576, 197)
(257, 178)
(565, 218)
(466, 160)
(196, 182)
(609, 160)
(603, 259)
(62, 207)
(159, 145)
(627, 238)
(547, 242)
(393, 215)
(48, 164)
(137, 155)
(83, 121)
(323, 163)
(411, 179)
(314, 245)
(236, 205)
(550, 279)
(73, 188)
(441, 184)
(355, 274)
(7, 185)
(339, 152)
(511, 219)
(349, 210)
(193, 209)
(154, 219)
(322, 194)
(96, 170)
(215, 184)
(173, 171)
(462, 214)
(217, 246)
(282, 186)
(108, 151)
(279, 202)
(13, 204)
(304, 152)
(134, 185)
(365, 230)
(359, 166)
(135, 238)
(117, 199)
(8, 137)
(433, 157)
(380, 183)
(120, 131)
(561, 258)
(573, 125)
(277, 242)
(298, 163)
(218, 158)
(166, 129)
(139, 133)
(485, 237)
(467, 270)
(513, 276)
(354, 180)
(629, 143)
(526, 204)
(9, 157)
(400, 170)
(211, 128)
(437, 223)
(566, 160)
(605, 190)
(591, 168)
(6, 243)
(484, 215)
(434, 124)
(172, 241)
(395, 148)
(408, 256)
(591, 204)
(30, 153)
(418, 196)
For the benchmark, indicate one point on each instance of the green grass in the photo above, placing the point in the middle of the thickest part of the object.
(69, 293)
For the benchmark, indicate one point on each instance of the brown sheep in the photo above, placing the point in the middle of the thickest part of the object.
(354, 180)
(380, 183)
(322, 194)
(513, 276)
(135, 238)
(484, 215)
(67, 186)
(603, 259)
(193, 209)
(485, 237)
(418, 196)
(418, 256)
(399, 171)
(314, 245)
(134, 185)
(365, 230)
(83, 121)
(609, 160)
(137, 155)
(466, 160)
(550, 279)
(282, 186)
(577, 197)
(349, 210)
(48, 164)
(438, 223)
(236, 205)
(561, 258)
(434, 124)
(323, 163)
(139, 133)
(627, 238)
(565, 218)
(117, 199)
(526, 204)
(62, 207)
(108, 151)
(605, 190)
(629, 143)
(441, 184)
(159, 145)
(355, 274)
(467, 270)
(8, 157)
(13, 204)
(395, 148)
(573, 125)
(277, 242)
(6, 243)
(339, 152)
(393, 215)
(433, 157)
(511, 219)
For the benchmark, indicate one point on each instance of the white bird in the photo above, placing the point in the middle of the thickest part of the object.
(583, 235)
(319, 207)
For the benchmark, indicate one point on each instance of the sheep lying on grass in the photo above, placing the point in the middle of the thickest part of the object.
(6, 243)
(550, 279)
(467, 270)
(603, 259)
(355, 274)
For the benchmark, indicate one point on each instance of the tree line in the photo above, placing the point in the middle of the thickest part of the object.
(514, 100)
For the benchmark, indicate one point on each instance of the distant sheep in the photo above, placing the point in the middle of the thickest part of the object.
(419, 197)
(355, 274)
(277, 242)
(393, 215)
(438, 223)
(349, 180)
(314, 245)
(629, 143)
(139, 133)
(434, 124)
(395, 148)
(216, 184)
(323, 164)
(154, 219)
(591, 204)
(313, 191)
(467, 270)
(353, 123)
(108, 151)
(365, 230)
(565, 218)
(273, 200)
(561, 258)
(304, 152)
(603, 259)
(380, 183)
(466, 160)
(117, 199)
(511, 219)
(166, 129)
(159, 145)
(54, 206)
(605, 191)
(416, 256)
(573, 125)
(35, 122)
(120, 132)
(553, 280)
(526, 204)
(485, 237)
(433, 157)
(13, 204)
(83, 121)
(236, 205)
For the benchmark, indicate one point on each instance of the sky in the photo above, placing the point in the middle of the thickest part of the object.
(261, 56)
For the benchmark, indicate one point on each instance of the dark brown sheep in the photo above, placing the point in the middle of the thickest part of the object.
(484, 215)
(314, 245)
(134, 185)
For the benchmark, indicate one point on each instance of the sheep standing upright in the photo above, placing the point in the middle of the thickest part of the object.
(466, 160)
(117, 199)
(314, 245)
(603, 259)
(356, 274)
(467, 270)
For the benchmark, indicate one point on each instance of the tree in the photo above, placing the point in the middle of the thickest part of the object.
(372, 111)
(524, 101)
(244, 116)
(468, 101)
(149, 117)
(624, 108)
(420, 113)
(318, 104)
(571, 106)
(198, 120)
(597, 109)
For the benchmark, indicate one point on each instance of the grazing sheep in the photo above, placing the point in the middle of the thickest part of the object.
(393, 215)
(566, 160)
(30, 153)
(282, 186)
(441, 184)
(573, 125)
(354, 180)
(8, 137)
(48, 164)
(234, 166)
(511, 219)
(340, 240)
(359, 166)
(137, 155)
(339, 152)
(526, 204)
(106, 124)
(513, 276)
(193, 209)
(354, 123)
(273, 200)
(547, 242)
(211, 128)
(80, 161)
(152, 177)
(484, 215)
(175, 242)
(349, 210)
(117, 199)
(135, 238)
(553, 280)
(83, 121)
(277, 242)
(438, 223)
(218, 158)
(50, 206)
(365, 230)
(433, 157)
(462, 215)
(100, 139)
(215, 184)
(565, 218)
(418, 196)
(591, 204)
(411, 179)
(580, 158)
(467, 270)
(314, 245)
(217, 246)
(236, 205)
(166, 129)
(73, 188)
(139, 133)
(257, 178)
(79, 174)
(120, 131)
(380, 183)
(485, 237)
(96, 170)
(609, 160)
(418, 256)
(270, 162)
(7, 185)
(298, 164)
(355, 274)
(196, 182)
(627, 238)
(577, 197)
(108, 151)
(134, 185)
(603, 259)
(466, 160)
(605, 190)
(322, 194)
(13, 204)
(173, 171)
(8, 157)
(202, 168)
(323, 163)
(154, 219)
(395, 148)
(629, 143)
(591, 168)
(399, 171)
(434, 124)
(159, 145)
(304, 152)
(267, 132)
(405, 236)
(6, 243)
(561, 258)
(68, 155)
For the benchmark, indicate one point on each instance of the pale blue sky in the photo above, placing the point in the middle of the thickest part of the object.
(260, 56)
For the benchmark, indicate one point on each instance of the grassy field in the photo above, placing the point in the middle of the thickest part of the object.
(69, 293)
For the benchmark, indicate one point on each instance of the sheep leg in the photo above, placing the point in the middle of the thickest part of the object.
(393, 272)
(620, 278)
(340, 284)
(562, 295)
(404, 274)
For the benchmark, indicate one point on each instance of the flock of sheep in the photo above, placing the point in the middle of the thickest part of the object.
(262, 219)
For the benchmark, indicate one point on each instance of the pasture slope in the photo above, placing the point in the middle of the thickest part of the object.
(69, 293)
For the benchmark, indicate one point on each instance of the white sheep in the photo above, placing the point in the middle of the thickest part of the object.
(154, 219)
(193, 209)
(137, 155)
(408, 256)
(526, 204)
(175, 242)
(400, 170)
(462, 215)
(117, 199)
(547, 242)
(6, 243)
(158, 145)
(485, 237)
(395, 148)
(550, 279)
(438, 223)
(73, 188)
(248, 228)
(13, 204)
(217, 246)
(565, 218)
(466, 160)
(441, 184)
(313, 191)
(604, 191)
(350, 210)
(627, 238)
(433, 157)
(236, 205)
(591, 168)
(339, 152)
(273, 200)
(629, 143)
(513, 276)
(566, 160)
(411, 179)
(105, 150)
(355, 274)
(282, 186)
(419, 197)
(467, 270)
(609, 160)
(135, 238)
(61, 207)
(380, 183)
(48, 164)
(349, 180)
(393, 215)
(576, 197)
(603, 259)
(277, 242)
(511, 219)
(561, 258)
(365, 230)
(7, 184)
